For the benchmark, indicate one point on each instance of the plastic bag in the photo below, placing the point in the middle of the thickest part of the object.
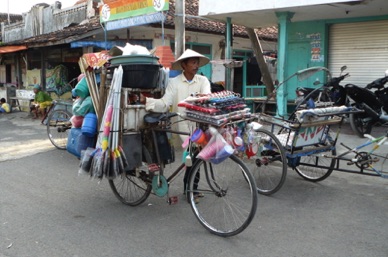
(134, 49)
(81, 107)
(86, 160)
(217, 150)
(76, 121)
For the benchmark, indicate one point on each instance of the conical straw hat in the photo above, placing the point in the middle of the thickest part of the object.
(203, 60)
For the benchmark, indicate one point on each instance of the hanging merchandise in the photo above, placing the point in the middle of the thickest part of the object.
(108, 160)
(215, 109)
(81, 106)
(97, 162)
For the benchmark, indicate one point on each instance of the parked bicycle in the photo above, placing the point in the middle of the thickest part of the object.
(229, 191)
(57, 118)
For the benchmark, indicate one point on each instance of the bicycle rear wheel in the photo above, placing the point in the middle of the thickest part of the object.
(58, 125)
(229, 199)
(134, 186)
(269, 165)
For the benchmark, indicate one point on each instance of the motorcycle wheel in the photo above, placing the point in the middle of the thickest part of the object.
(361, 124)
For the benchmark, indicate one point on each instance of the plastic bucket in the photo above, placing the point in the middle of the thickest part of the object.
(83, 143)
(76, 142)
(72, 141)
(81, 89)
(144, 76)
(89, 125)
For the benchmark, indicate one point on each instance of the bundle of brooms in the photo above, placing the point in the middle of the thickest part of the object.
(108, 158)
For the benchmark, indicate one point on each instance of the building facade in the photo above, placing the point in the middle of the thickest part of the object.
(327, 33)
(49, 37)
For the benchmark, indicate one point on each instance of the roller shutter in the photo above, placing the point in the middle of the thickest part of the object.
(362, 47)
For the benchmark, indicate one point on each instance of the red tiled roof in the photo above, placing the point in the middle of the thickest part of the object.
(191, 24)
(205, 25)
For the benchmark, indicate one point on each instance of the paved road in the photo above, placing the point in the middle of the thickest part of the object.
(47, 209)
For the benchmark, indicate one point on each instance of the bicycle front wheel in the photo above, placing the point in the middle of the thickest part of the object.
(269, 165)
(58, 125)
(228, 197)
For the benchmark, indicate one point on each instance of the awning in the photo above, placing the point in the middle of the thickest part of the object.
(10, 49)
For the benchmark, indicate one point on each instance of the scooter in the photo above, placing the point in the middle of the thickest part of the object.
(373, 103)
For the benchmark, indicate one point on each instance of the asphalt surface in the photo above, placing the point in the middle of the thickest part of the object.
(47, 209)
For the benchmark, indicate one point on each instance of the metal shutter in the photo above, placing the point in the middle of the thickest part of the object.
(362, 47)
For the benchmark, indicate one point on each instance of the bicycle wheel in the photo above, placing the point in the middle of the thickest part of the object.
(315, 168)
(133, 187)
(58, 125)
(229, 199)
(269, 165)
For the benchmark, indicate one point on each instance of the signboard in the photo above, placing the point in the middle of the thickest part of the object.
(135, 21)
(113, 10)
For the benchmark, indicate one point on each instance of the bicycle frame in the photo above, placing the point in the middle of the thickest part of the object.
(158, 158)
(364, 162)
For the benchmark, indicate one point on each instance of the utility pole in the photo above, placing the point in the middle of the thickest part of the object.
(179, 27)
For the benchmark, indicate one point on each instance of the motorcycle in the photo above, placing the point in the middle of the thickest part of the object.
(330, 94)
(373, 103)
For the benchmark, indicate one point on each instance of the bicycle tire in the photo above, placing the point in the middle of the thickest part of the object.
(269, 165)
(228, 210)
(316, 168)
(58, 126)
(131, 187)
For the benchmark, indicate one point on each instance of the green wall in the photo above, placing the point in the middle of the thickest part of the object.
(307, 47)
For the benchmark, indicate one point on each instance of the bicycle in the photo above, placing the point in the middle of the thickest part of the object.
(57, 118)
(365, 160)
(230, 199)
(58, 123)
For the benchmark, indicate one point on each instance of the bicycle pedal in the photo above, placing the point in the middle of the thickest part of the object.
(350, 163)
(173, 200)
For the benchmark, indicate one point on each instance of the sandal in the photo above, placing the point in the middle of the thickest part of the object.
(199, 195)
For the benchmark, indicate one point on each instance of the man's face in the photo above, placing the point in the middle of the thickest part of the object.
(191, 65)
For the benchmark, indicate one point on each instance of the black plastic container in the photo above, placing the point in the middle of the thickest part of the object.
(143, 76)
